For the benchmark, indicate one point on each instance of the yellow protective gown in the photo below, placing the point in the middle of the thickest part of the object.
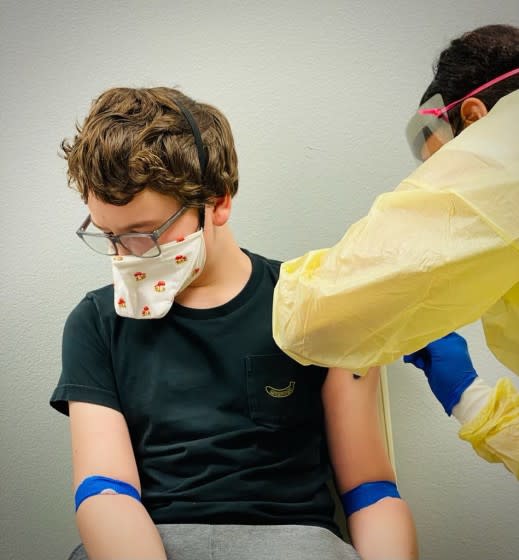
(439, 252)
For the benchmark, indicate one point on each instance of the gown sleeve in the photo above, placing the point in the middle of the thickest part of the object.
(437, 253)
(494, 432)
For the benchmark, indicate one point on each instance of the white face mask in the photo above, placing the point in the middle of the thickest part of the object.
(146, 288)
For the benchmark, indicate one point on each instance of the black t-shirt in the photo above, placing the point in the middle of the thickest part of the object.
(225, 427)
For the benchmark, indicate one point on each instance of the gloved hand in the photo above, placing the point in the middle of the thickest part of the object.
(448, 368)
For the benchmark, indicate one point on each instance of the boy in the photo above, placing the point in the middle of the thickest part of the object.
(193, 435)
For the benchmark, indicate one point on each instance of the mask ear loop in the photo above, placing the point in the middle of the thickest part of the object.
(202, 155)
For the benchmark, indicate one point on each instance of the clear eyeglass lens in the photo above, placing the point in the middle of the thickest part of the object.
(99, 244)
(139, 245)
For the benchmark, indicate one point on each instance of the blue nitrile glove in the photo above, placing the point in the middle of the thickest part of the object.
(448, 368)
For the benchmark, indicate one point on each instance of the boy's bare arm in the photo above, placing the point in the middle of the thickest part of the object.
(111, 526)
(384, 530)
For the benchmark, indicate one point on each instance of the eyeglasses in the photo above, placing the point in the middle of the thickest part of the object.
(143, 245)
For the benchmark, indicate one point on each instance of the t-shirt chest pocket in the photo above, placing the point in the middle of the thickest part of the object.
(281, 392)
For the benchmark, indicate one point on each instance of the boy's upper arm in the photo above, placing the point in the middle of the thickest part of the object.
(101, 444)
(355, 440)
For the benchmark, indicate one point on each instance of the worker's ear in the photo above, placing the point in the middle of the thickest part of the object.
(472, 109)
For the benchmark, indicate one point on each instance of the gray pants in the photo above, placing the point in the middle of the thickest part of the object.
(248, 542)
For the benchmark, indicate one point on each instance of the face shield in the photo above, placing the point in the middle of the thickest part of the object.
(429, 128)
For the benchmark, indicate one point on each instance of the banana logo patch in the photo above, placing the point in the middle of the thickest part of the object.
(281, 393)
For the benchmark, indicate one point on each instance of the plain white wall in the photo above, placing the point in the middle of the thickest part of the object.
(318, 94)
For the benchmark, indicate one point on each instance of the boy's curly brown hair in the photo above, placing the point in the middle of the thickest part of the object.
(134, 139)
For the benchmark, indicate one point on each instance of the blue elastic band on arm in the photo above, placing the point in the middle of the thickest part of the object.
(367, 494)
(94, 485)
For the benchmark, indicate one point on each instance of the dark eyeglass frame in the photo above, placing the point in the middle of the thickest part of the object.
(117, 240)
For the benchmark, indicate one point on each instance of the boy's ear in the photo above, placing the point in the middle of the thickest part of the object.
(221, 210)
(472, 109)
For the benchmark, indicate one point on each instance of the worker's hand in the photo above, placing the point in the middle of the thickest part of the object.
(448, 367)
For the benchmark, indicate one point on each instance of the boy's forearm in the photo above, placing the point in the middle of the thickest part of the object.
(118, 527)
(384, 531)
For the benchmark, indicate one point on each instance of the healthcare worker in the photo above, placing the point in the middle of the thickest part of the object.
(489, 416)
(439, 252)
